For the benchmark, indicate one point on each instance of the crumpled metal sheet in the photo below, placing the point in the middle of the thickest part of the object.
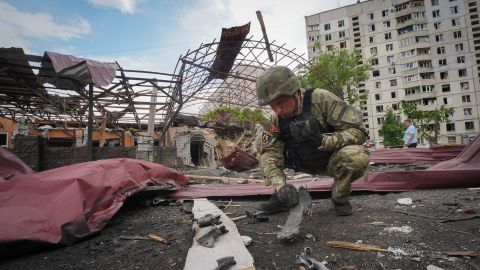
(414, 155)
(63, 205)
(462, 171)
(239, 160)
(82, 71)
(230, 45)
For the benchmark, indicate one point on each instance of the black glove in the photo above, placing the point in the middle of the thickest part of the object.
(287, 195)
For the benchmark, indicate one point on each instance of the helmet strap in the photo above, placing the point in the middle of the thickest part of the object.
(296, 97)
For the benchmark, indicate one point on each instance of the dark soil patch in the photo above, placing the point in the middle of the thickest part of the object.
(370, 224)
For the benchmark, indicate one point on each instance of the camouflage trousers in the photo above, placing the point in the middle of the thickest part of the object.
(346, 165)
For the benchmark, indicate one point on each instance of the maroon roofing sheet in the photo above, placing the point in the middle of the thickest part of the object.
(462, 171)
(413, 155)
(230, 44)
(84, 71)
(63, 205)
(11, 166)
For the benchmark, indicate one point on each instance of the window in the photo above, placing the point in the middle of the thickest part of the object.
(312, 27)
(461, 59)
(371, 27)
(326, 26)
(436, 13)
(447, 101)
(329, 48)
(442, 62)
(459, 47)
(440, 50)
(427, 88)
(437, 25)
(469, 125)
(386, 24)
(374, 61)
(394, 94)
(328, 37)
(444, 75)
(343, 44)
(395, 106)
(390, 58)
(341, 34)
(457, 34)
(464, 85)
(373, 50)
(391, 70)
(312, 48)
(466, 98)
(388, 35)
(434, 2)
(311, 38)
(389, 47)
(456, 22)
(462, 72)
(445, 88)
(341, 23)
(380, 120)
(371, 39)
(378, 84)
(385, 13)
(467, 111)
(379, 108)
(370, 16)
(376, 73)
(3, 139)
(439, 37)
(454, 9)
(450, 126)
(378, 97)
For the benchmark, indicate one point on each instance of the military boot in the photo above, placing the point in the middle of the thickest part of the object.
(342, 209)
(273, 205)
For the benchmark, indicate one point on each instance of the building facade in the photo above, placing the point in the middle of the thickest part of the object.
(423, 51)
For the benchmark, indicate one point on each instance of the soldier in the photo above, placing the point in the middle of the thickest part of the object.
(312, 131)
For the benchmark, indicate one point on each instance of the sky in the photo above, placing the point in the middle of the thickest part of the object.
(147, 34)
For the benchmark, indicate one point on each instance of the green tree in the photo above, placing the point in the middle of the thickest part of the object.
(226, 114)
(392, 129)
(427, 122)
(339, 72)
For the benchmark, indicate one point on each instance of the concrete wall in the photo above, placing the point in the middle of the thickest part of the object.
(54, 157)
(33, 151)
(30, 150)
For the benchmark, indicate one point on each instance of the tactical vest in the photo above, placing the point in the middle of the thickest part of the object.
(302, 137)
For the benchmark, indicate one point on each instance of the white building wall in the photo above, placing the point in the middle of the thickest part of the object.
(387, 46)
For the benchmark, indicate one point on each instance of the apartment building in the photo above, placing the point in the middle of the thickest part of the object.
(426, 52)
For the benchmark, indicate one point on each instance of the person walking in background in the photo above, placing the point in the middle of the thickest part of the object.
(410, 137)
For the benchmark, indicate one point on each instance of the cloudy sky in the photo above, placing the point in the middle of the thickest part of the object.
(147, 34)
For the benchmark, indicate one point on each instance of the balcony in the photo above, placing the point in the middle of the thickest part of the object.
(423, 32)
(423, 95)
(409, 10)
(411, 22)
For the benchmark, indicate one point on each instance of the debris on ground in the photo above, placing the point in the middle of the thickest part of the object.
(405, 201)
(355, 246)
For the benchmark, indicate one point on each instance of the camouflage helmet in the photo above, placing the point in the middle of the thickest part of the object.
(275, 82)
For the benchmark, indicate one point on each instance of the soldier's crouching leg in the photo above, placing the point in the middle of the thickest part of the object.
(346, 165)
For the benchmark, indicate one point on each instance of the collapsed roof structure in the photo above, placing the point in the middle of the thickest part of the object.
(62, 88)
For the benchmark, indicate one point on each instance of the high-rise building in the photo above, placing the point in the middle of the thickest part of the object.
(426, 52)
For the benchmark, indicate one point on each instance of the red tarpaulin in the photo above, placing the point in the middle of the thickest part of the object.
(63, 205)
(11, 166)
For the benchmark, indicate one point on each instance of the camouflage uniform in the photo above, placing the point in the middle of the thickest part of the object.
(343, 131)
